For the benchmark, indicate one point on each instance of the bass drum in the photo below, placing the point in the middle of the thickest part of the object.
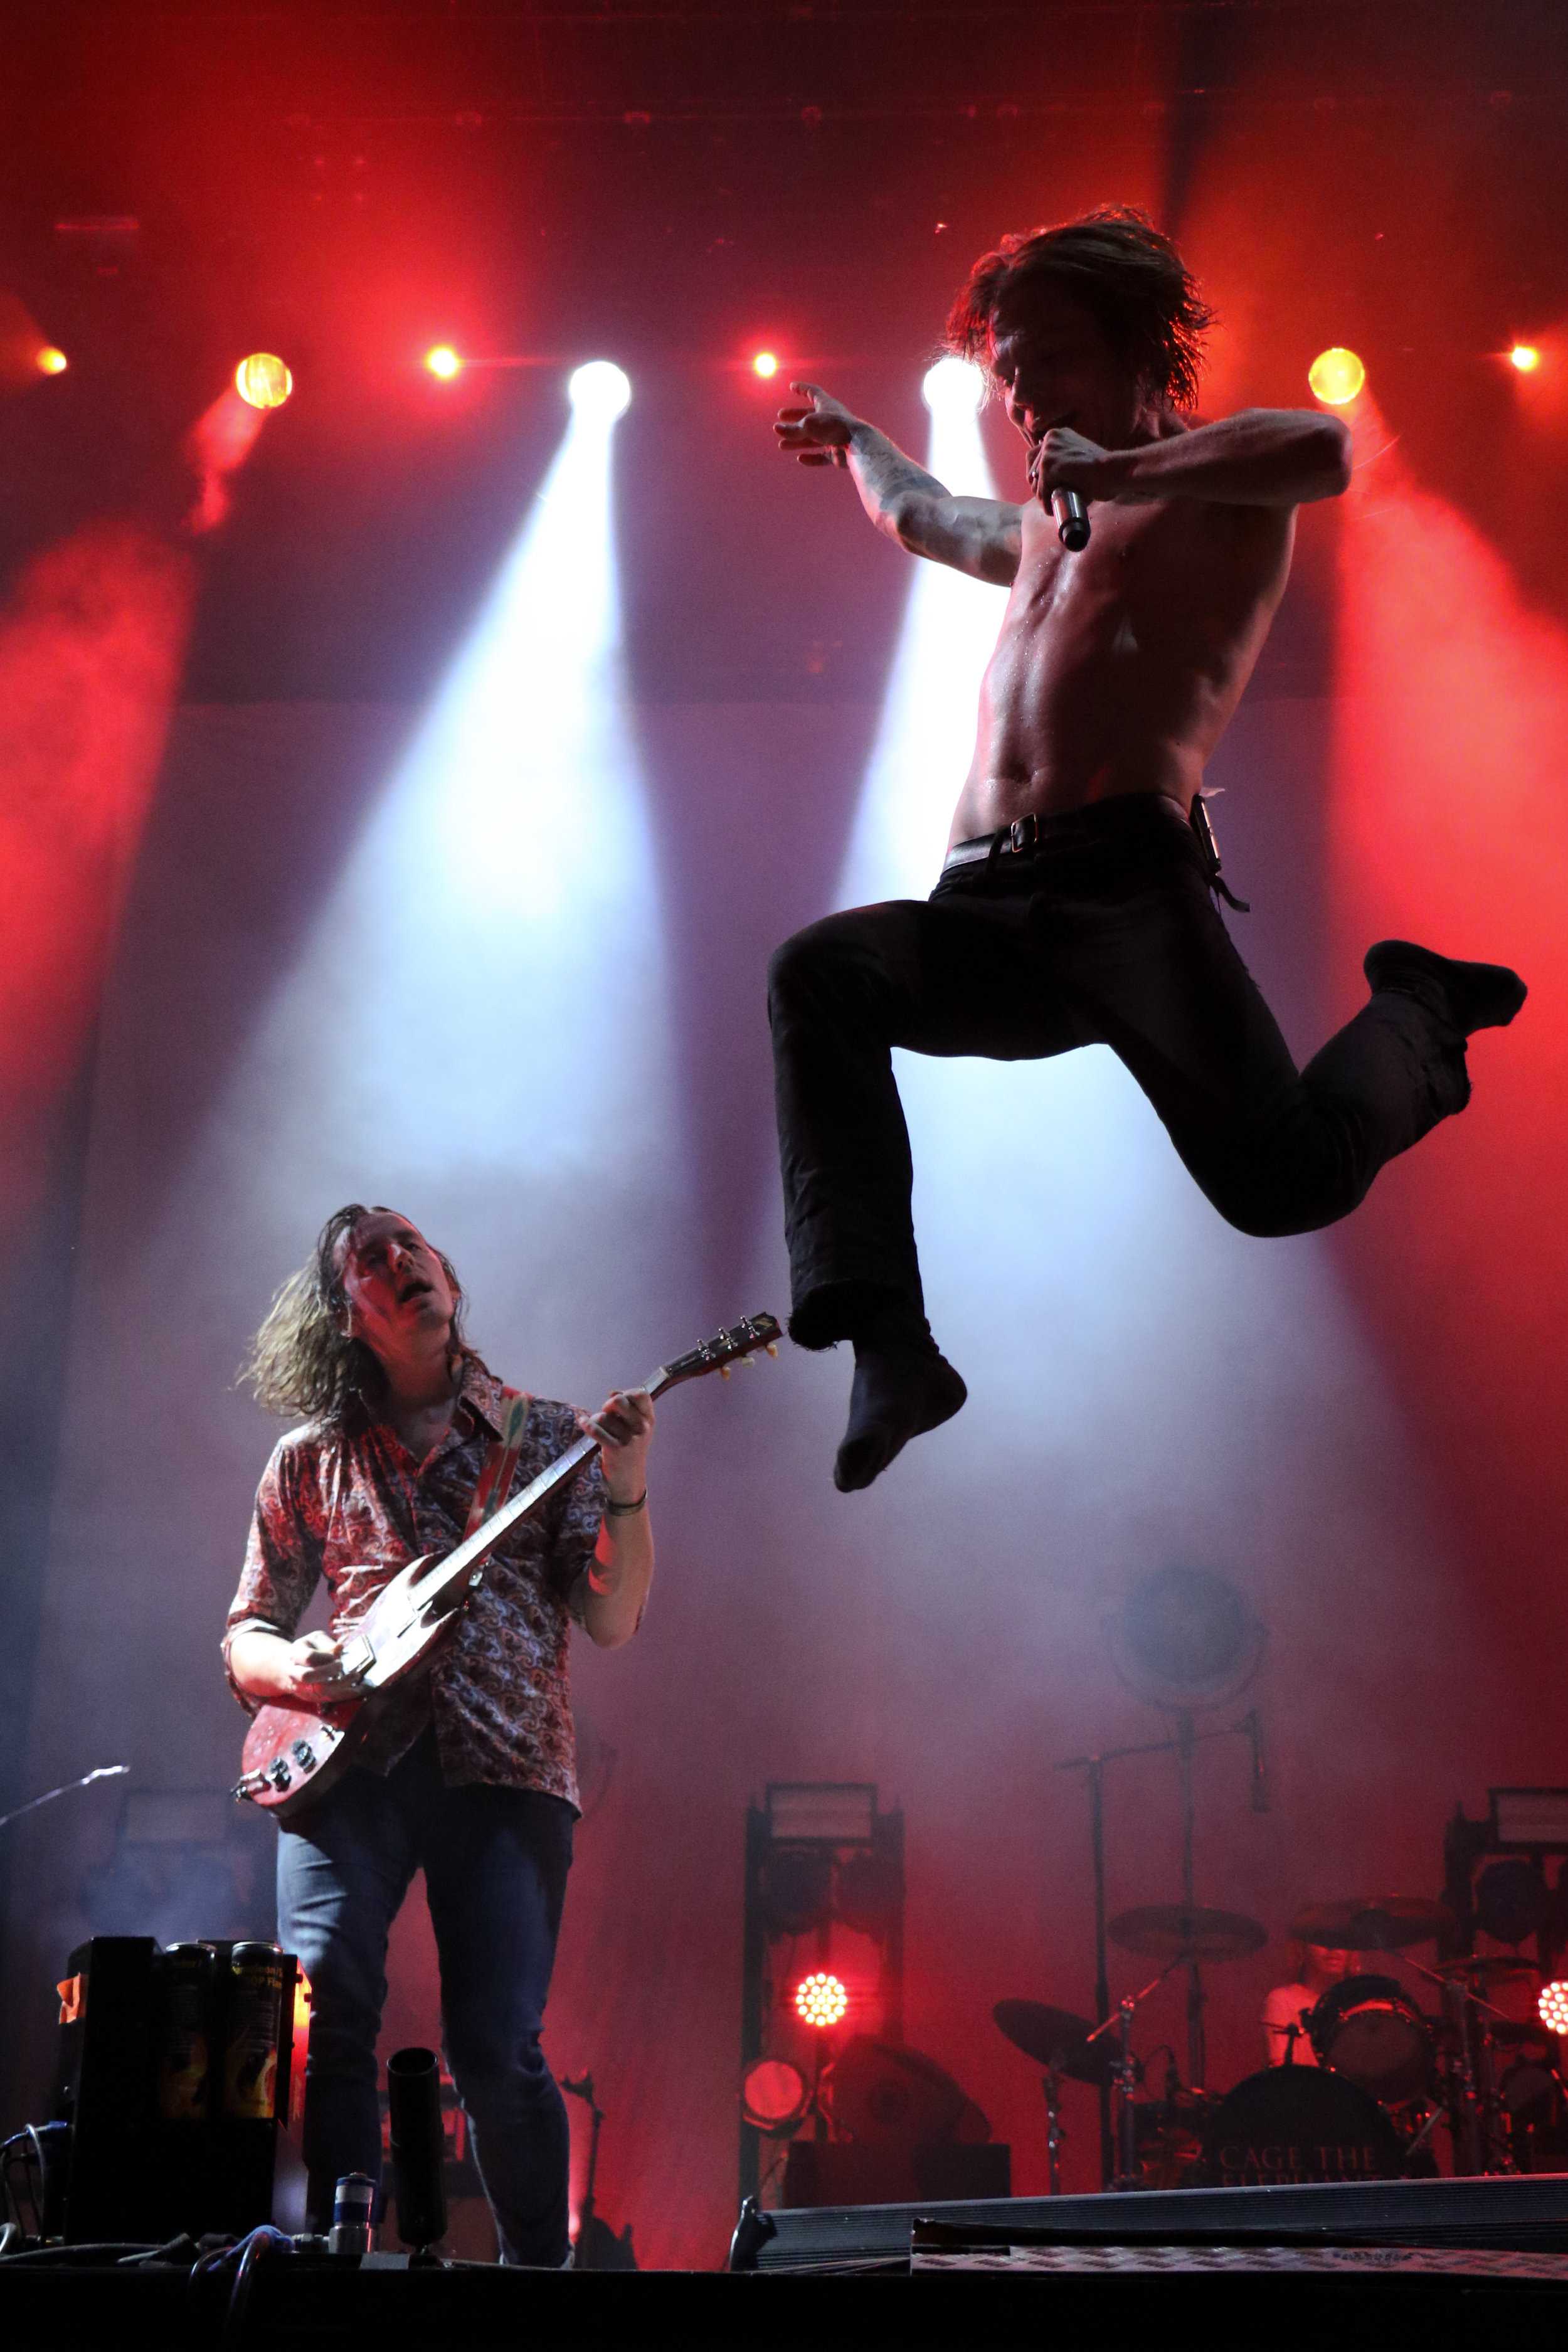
(1299, 2123)
(1369, 2029)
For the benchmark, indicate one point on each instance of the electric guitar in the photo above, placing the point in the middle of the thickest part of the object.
(293, 1754)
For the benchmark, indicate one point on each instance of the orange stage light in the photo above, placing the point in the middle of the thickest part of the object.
(1526, 358)
(765, 364)
(263, 380)
(443, 361)
(821, 1999)
(52, 360)
(1336, 376)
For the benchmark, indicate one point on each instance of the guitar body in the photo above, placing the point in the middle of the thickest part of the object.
(292, 1754)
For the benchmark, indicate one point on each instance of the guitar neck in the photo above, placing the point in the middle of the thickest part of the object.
(550, 1481)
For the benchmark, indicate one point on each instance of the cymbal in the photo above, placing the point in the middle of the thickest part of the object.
(1054, 2037)
(1493, 1968)
(1173, 1931)
(1372, 1922)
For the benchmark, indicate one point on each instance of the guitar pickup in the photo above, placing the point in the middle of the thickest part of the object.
(357, 1657)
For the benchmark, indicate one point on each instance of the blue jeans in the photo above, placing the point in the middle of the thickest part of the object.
(495, 1864)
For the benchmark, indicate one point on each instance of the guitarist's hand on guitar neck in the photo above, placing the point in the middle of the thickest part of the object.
(623, 1426)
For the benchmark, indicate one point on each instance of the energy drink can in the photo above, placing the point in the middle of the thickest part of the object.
(184, 2038)
(250, 2045)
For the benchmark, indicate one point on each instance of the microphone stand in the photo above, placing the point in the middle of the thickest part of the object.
(1093, 1768)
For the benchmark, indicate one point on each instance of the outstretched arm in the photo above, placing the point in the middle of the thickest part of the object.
(1259, 457)
(980, 536)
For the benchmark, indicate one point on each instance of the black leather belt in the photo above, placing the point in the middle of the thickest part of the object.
(1026, 834)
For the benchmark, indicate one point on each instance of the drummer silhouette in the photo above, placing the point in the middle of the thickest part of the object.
(1319, 1968)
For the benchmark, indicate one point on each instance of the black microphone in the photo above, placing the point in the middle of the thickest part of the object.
(1071, 518)
(1260, 1770)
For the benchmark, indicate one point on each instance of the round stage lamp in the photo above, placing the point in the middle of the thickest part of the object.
(953, 387)
(796, 1889)
(263, 380)
(600, 389)
(443, 361)
(821, 1999)
(1512, 1900)
(1336, 376)
(52, 360)
(766, 363)
(774, 2095)
(1525, 358)
(1554, 2006)
(1184, 1638)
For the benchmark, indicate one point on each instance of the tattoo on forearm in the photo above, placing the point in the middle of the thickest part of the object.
(881, 467)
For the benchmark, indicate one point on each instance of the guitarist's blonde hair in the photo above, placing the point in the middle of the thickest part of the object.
(302, 1361)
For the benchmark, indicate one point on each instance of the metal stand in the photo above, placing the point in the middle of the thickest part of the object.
(1188, 1738)
(1125, 2076)
(1052, 2085)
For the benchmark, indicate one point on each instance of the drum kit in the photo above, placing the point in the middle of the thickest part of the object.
(1379, 2072)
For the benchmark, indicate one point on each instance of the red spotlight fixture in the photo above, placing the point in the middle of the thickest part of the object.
(1553, 2007)
(52, 360)
(765, 364)
(1336, 376)
(263, 381)
(443, 361)
(1525, 358)
(774, 2095)
(821, 1999)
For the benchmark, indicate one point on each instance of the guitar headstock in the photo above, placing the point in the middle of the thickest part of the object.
(737, 1345)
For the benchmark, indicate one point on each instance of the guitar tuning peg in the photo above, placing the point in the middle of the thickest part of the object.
(772, 1348)
(723, 1371)
(745, 1363)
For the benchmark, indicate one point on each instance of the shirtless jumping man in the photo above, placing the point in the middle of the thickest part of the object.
(1075, 904)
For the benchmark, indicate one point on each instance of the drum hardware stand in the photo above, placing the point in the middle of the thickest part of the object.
(1124, 2074)
(1093, 1768)
(1054, 2133)
(1480, 2142)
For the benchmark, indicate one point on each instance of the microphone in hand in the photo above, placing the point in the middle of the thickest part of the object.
(1071, 519)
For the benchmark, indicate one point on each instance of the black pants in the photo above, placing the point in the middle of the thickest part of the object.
(1104, 933)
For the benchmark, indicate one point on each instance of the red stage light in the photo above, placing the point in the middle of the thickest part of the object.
(443, 361)
(1554, 2006)
(765, 364)
(774, 2095)
(1526, 358)
(263, 380)
(52, 360)
(1336, 376)
(821, 1999)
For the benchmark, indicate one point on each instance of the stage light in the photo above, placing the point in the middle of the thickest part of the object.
(263, 381)
(953, 387)
(1525, 358)
(1554, 2006)
(797, 1889)
(774, 2095)
(1336, 376)
(601, 390)
(52, 360)
(765, 364)
(821, 1999)
(443, 361)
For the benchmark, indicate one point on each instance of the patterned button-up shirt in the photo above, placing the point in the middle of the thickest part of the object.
(356, 1507)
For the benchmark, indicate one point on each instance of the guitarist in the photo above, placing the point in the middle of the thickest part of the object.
(467, 1769)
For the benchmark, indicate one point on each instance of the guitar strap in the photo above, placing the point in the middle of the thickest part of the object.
(496, 1475)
